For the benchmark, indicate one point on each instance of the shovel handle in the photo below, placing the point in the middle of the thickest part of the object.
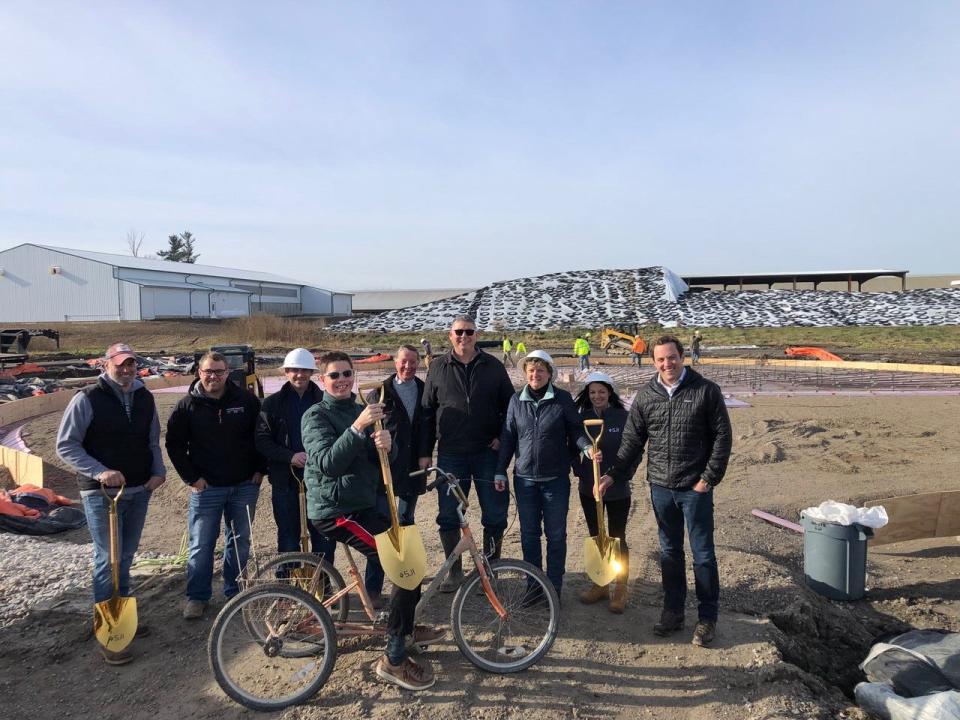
(385, 472)
(302, 498)
(588, 426)
(114, 536)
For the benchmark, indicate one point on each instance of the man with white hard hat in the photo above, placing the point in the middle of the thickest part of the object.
(278, 439)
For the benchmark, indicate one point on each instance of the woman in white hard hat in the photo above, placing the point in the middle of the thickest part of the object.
(598, 400)
(278, 439)
(541, 424)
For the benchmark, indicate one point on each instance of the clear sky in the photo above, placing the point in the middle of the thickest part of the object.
(361, 145)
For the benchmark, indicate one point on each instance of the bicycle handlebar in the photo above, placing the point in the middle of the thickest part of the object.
(442, 477)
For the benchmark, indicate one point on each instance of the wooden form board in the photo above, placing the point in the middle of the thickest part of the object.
(26, 469)
(18, 410)
(924, 515)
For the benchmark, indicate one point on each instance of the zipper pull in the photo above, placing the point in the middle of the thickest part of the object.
(220, 415)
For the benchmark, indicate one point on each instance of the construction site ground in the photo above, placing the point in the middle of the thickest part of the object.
(781, 652)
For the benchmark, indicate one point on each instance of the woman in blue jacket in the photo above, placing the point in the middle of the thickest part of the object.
(599, 401)
(541, 424)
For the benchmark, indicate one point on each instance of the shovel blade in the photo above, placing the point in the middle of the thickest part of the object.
(602, 567)
(115, 622)
(406, 562)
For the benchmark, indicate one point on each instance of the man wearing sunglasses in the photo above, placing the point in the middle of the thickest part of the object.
(465, 402)
(210, 441)
(342, 476)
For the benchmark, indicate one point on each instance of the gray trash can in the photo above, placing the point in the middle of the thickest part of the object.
(835, 558)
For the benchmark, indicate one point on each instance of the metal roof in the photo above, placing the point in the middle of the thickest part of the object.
(128, 261)
(816, 277)
(187, 286)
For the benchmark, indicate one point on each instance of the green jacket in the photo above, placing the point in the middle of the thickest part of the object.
(342, 471)
(507, 347)
(581, 347)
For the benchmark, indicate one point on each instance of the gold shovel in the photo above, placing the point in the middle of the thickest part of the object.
(400, 549)
(601, 554)
(115, 620)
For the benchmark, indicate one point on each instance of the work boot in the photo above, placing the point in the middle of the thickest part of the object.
(449, 540)
(594, 594)
(193, 609)
(619, 600)
(670, 622)
(410, 674)
(116, 657)
(704, 633)
(492, 544)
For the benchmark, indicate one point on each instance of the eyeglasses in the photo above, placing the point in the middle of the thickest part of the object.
(209, 373)
(463, 331)
(334, 375)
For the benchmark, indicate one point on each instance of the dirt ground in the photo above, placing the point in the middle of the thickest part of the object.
(781, 652)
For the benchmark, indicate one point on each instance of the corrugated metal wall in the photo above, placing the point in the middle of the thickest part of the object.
(129, 301)
(30, 291)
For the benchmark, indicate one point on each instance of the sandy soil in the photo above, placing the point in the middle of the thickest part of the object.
(782, 651)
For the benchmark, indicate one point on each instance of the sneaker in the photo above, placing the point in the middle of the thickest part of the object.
(704, 633)
(424, 635)
(116, 657)
(193, 609)
(670, 622)
(410, 674)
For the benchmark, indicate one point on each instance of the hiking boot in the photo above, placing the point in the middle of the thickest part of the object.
(449, 540)
(410, 674)
(594, 594)
(424, 635)
(704, 633)
(193, 609)
(116, 657)
(619, 600)
(669, 623)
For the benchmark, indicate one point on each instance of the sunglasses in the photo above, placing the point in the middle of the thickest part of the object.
(334, 375)
(464, 331)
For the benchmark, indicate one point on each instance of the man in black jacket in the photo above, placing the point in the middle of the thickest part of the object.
(279, 440)
(210, 440)
(465, 403)
(682, 419)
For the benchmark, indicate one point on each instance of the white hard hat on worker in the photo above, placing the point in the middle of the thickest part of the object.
(299, 365)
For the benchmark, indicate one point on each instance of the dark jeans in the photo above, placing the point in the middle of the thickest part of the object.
(206, 510)
(285, 497)
(373, 574)
(542, 507)
(493, 503)
(358, 531)
(131, 514)
(672, 508)
(616, 511)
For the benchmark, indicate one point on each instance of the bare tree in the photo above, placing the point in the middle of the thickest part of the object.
(134, 242)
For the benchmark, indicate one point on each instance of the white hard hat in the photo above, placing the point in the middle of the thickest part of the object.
(540, 355)
(600, 377)
(300, 358)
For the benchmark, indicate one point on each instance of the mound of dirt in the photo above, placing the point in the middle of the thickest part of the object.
(6, 479)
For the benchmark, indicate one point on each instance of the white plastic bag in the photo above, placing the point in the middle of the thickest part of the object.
(843, 514)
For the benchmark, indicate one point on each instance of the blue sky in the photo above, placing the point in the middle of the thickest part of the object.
(402, 145)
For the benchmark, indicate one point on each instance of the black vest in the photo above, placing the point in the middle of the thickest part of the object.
(119, 442)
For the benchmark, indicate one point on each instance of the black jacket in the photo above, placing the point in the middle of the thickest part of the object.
(461, 419)
(213, 439)
(272, 434)
(614, 421)
(689, 434)
(406, 437)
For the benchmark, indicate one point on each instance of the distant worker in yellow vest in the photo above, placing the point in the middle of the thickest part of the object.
(519, 351)
(637, 350)
(507, 347)
(581, 348)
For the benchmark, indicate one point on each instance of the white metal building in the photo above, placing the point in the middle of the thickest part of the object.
(40, 283)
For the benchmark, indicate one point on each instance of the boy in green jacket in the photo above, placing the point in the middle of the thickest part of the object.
(342, 475)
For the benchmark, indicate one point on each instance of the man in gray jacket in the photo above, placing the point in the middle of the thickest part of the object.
(682, 420)
(110, 434)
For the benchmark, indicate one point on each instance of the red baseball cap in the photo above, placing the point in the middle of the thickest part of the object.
(119, 352)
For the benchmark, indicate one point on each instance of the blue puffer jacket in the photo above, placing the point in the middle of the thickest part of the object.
(539, 433)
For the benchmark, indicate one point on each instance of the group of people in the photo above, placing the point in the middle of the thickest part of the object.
(222, 442)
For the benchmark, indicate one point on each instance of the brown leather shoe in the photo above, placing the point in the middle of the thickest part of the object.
(594, 594)
(619, 600)
(410, 674)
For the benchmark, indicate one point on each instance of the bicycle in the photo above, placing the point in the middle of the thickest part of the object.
(504, 618)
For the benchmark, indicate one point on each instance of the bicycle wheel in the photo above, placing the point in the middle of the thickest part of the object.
(297, 568)
(286, 661)
(517, 642)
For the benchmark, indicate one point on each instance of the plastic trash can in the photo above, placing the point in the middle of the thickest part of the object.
(835, 558)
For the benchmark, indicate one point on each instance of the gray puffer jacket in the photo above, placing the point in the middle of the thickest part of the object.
(688, 436)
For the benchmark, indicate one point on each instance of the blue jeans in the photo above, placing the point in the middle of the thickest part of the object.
(672, 509)
(206, 510)
(481, 466)
(131, 514)
(584, 362)
(542, 507)
(285, 497)
(373, 574)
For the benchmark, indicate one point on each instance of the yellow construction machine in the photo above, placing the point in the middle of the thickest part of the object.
(615, 341)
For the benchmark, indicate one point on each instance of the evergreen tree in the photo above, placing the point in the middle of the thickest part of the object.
(181, 249)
